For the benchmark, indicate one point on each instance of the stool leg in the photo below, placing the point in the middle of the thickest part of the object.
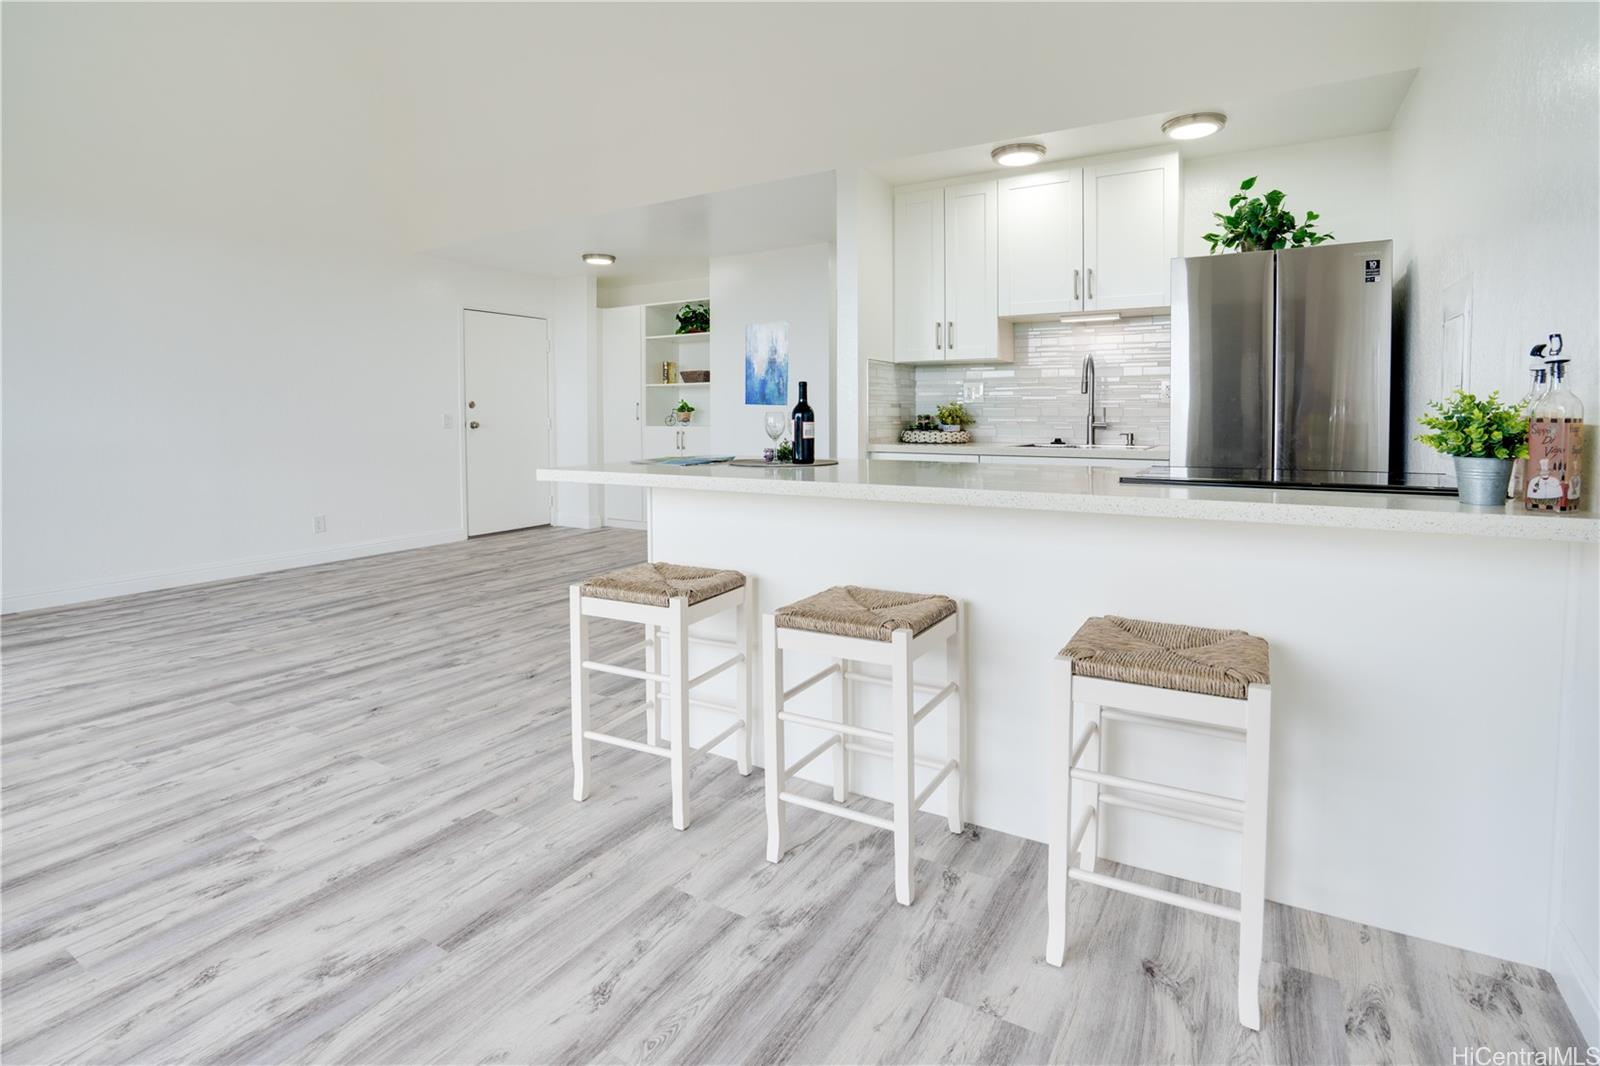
(678, 719)
(1252, 880)
(841, 713)
(955, 724)
(772, 732)
(652, 703)
(1058, 758)
(903, 790)
(747, 644)
(580, 697)
(1087, 717)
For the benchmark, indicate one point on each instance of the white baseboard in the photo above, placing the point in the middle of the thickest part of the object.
(195, 575)
(623, 523)
(1579, 984)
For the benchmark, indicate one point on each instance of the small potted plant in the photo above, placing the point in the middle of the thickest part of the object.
(694, 318)
(1484, 438)
(954, 417)
(1257, 223)
(683, 411)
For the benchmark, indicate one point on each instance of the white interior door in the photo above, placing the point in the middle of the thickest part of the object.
(508, 421)
(621, 402)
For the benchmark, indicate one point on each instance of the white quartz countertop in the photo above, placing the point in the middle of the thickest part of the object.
(1095, 490)
(1152, 455)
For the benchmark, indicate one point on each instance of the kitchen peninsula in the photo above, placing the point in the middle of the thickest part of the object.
(1398, 673)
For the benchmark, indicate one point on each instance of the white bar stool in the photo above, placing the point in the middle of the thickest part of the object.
(858, 625)
(666, 599)
(1208, 681)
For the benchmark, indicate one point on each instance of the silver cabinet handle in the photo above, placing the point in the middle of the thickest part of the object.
(1077, 287)
(636, 412)
(1091, 283)
(950, 336)
(938, 336)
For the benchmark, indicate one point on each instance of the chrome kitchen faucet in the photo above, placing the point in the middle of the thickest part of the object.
(1087, 385)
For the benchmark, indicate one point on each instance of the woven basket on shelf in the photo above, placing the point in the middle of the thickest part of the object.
(935, 436)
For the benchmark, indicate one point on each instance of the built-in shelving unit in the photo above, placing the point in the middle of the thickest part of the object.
(686, 351)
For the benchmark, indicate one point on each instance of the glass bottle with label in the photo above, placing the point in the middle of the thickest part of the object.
(1553, 478)
(1536, 389)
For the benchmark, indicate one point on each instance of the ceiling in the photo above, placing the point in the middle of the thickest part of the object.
(671, 240)
(435, 126)
(1255, 120)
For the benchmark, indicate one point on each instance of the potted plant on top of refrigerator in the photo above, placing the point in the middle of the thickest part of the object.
(1483, 437)
(1259, 223)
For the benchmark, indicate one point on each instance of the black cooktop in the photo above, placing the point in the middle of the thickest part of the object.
(1325, 480)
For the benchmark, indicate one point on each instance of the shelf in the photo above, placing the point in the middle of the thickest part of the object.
(677, 384)
(680, 336)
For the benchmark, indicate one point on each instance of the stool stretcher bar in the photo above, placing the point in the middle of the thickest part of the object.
(805, 760)
(824, 673)
(1077, 834)
(622, 718)
(715, 670)
(837, 727)
(927, 762)
(1199, 799)
(835, 808)
(1171, 810)
(719, 738)
(938, 779)
(1083, 744)
(1159, 895)
(875, 679)
(703, 703)
(624, 671)
(623, 742)
(1224, 732)
(938, 698)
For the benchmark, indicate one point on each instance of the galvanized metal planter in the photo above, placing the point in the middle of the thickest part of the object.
(1482, 482)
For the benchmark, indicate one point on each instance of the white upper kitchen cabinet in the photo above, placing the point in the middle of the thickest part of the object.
(1130, 232)
(946, 274)
(971, 271)
(919, 276)
(1041, 242)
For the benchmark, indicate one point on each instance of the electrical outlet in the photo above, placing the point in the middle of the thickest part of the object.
(319, 523)
(449, 420)
(972, 390)
(1166, 392)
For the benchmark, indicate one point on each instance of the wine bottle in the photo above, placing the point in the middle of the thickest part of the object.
(805, 430)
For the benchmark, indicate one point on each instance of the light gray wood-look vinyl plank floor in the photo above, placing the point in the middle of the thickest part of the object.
(324, 816)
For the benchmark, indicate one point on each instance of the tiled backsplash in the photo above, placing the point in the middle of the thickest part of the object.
(1038, 396)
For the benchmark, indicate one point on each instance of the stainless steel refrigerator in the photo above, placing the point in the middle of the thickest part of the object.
(1281, 367)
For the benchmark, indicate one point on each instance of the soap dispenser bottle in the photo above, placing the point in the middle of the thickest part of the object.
(1554, 478)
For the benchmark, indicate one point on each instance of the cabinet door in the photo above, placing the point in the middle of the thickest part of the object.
(696, 440)
(919, 276)
(1130, 232)
(661, 441)
(1041, 242)
(971, 271)
(621, 405)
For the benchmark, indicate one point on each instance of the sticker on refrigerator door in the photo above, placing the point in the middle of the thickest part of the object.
(1374, 268)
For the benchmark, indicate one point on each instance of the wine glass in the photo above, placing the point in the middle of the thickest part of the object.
(776, 424)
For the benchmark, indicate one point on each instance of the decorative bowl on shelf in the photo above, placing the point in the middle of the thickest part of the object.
(694, 377)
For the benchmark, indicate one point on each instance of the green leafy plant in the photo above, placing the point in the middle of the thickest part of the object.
(1480, 429)
(683, 408)
(924, 423)
(1257, 223)
(784, 452)
(694, 318)
(955, 414)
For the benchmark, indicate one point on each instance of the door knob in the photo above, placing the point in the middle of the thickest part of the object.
(472, 425)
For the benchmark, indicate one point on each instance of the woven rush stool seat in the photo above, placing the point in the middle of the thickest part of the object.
(1212, 662)
(655, 584)
(865, 614)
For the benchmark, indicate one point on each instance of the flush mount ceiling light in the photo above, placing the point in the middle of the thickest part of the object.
(599, 259)
(1193, 127)
(1111, 316)
(1017, 155)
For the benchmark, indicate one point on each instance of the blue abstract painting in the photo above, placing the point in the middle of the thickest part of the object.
(766, 364)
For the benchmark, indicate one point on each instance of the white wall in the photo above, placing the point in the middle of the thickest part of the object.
(864, 304)
(1346, 180)
(793, 285)
(627, 294)
(1496, 186)
(178, 407)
